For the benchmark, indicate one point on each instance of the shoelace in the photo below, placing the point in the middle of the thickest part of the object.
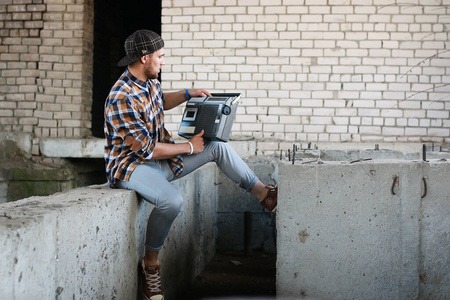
(153, 281)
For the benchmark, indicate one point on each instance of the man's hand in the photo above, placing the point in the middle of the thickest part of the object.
(198, 93)
(176, 98)
(168, 150)
(198, 142)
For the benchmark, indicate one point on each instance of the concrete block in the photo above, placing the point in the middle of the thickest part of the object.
(358, 230)
(23, 141)
(27, 245)
(434, 273)
(70, 245)
(72, 147)
(87, 243)
(97, 251)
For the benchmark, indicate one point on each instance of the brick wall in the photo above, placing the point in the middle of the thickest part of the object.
(316, 70)
(309, 70)
(46, 81)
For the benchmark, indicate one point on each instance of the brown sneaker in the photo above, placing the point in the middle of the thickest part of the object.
(270, 201)
(151, 283)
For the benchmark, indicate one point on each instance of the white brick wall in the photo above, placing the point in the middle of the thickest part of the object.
(317, 70)
(309, 70)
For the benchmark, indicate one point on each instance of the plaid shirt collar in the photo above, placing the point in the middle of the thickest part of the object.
(140, 83)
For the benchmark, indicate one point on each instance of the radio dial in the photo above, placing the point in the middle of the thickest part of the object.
(226, 110)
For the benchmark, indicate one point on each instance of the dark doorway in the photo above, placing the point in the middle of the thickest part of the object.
(114, 21)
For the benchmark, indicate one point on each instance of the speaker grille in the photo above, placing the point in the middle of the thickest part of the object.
(208, 115)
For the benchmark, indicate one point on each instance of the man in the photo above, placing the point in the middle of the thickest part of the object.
(141, 155)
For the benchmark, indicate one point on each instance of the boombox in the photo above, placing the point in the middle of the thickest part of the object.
(215, 115)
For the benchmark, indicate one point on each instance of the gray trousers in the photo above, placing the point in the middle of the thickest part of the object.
(151, 181)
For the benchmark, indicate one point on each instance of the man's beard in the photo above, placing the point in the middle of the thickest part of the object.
(151, 75)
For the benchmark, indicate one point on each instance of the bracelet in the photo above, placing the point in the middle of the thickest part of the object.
(187, 95)
(192, 148)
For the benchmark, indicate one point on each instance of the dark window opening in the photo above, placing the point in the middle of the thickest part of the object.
(114, 21)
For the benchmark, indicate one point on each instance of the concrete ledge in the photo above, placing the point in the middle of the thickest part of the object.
(94, 147)
(86, 243)
(74, 148)
(367, 230)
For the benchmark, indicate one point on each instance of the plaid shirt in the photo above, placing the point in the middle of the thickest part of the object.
(134, 122)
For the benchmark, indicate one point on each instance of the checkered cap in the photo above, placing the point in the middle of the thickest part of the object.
(140, 43)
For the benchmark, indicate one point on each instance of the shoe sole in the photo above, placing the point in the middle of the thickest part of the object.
(156, 297)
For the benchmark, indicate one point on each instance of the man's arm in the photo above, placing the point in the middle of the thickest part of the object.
(166, 150)
(176, 98)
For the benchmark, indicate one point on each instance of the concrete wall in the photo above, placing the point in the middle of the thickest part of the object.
(86, 243)
(234, 202)
(364, 230)
(23, 175)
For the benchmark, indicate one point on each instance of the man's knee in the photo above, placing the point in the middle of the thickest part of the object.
(171, 203)
(219, 148)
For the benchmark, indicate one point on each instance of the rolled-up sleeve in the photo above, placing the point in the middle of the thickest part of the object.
(126, 119)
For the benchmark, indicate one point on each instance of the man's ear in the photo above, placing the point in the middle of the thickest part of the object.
(144, 58)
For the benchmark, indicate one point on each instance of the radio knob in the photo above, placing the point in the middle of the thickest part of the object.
(226, 110)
